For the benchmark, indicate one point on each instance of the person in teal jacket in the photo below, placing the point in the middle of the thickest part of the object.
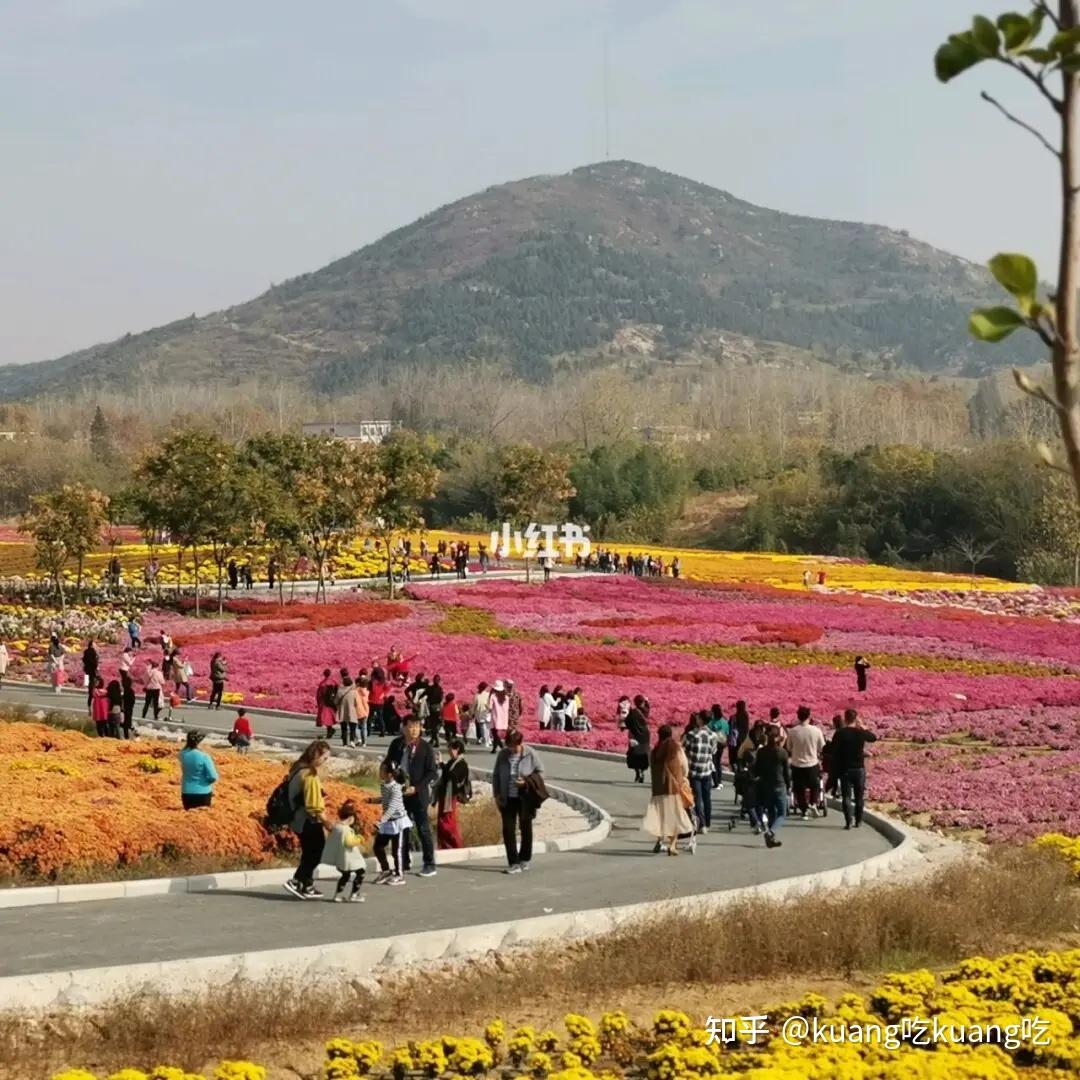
(197, 774)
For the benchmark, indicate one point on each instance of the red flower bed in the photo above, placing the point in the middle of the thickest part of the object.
(622, 664)
(785, 634)
(257, 618)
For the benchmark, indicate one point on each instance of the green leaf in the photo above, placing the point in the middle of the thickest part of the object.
(956, 56)
(1015, 29)
(1015, 273)
(994, 323)
(1039, 56)
(1071, 62)
(1065, 41)
(984, 35)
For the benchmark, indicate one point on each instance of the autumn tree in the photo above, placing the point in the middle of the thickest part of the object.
(192, 486)
(406, 478)
(528, 482)
(66, 525)
(1043, 48)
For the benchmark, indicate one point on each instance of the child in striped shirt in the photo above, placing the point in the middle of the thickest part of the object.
(393, 828)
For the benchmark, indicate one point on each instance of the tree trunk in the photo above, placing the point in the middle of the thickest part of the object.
(78, 579)
(319, 557)
(195, 557)
(528, 574)
(179, 569)
(220, 588)
(1066, 362)
(389, 570)
(60, 590)
(1076, 569)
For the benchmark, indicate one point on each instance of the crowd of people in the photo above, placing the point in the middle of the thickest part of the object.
(775, 768)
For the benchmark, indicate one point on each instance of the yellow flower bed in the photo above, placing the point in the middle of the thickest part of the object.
(1068, 847)
(353, 561)
(1019, 1018)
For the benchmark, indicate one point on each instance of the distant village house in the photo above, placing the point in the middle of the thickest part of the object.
(364, 432)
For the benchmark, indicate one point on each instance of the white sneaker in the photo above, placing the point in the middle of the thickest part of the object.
(515, 869)
(704, 830)
(357, 898)
(339, 898)
(395, 880)
(813, 813)
(382, 877)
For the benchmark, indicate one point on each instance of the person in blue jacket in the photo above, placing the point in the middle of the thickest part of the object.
(197, 774)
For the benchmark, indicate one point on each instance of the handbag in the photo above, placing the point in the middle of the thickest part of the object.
(233, 738)
(682, 789)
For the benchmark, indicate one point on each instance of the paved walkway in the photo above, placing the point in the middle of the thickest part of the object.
(621, 870)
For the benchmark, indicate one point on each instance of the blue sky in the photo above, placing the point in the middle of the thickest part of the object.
(164, 157)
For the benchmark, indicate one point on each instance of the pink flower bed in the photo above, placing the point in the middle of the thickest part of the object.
(993, 785)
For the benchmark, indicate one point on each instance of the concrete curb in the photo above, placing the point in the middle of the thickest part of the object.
(35, 896)
(97, 986)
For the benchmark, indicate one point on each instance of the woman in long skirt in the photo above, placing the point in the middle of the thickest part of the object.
(668, 816)
(453, 786)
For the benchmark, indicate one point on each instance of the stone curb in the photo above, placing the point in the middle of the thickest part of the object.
(97, 986)
(35, 896)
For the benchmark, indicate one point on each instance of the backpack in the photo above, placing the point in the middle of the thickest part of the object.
(330, 696)
(279, 807)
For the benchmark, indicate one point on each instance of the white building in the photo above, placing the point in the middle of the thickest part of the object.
(366, 431)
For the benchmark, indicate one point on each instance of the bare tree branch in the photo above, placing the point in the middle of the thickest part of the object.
(1021, 123)
(1036, 80)
(1040, 393)
(1046, 10)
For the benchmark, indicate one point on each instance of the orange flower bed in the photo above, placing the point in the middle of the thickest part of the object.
(622, 664)
(82, 807)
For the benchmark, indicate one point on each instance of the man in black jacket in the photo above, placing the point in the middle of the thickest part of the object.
(417, 759)
(847, 758)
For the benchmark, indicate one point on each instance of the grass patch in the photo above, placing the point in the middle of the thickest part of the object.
(993, 903)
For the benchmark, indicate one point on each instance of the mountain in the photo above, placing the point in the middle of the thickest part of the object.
(611, 262)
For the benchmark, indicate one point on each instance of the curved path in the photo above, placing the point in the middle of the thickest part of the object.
(620, 870)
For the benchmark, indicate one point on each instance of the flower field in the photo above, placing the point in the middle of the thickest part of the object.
(1012, 1018)
(77, 806)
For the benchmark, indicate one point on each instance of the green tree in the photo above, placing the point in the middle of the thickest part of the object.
(100, 440)
(406, 477)
(1044, 48)
(66, 524)
(188, 485)
(530, 482)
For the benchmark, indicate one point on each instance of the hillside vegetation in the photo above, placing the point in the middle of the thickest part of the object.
(615, 262)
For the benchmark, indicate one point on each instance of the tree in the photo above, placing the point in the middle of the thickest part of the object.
(973, 551)
(528, 482)
(66, 524)
(1043, 48)
(188, 486)
(100, 440)
(406, 478)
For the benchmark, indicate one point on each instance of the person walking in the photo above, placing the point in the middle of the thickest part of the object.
(454, 786)
(847, 756)
(513, 715)
(499, 710)
(719, 726)
(451, 717)
(197, 774)
(347, 711)
(772, 778)
(241, 734)
(219, 674)
(509, 782)
(481, 711)
(636, 726)
(127, 701)
(545, 705)
(416, 759)
(306, 797)
(326, 694)
(99, 707)
(700, 744)
(805, 742)
(667, 816)
(832, 777)
(740, 728)
(363, 707)
(5, 659)
(343, 851)
(134, 633)
(394, 825)
(91, 661)
(862, 666)
(433, 700)
(153, 684)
